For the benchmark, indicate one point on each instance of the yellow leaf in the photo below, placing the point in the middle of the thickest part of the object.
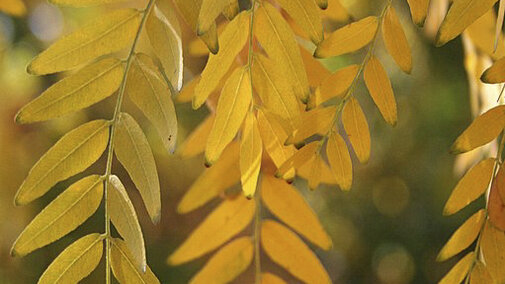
(152, 96)
(227, 220)
(231, 10)
(231, 110)
(483, 130)
(459, 271)
(124, 218)
(188, 91)
(251, 150)
(482, 33)
(232, 40)
(316, 171)
(336, 12)
(134, 153)
(419, 10)
(349, 38)
(276, 92)
(106, 34)
(88, 86)
(278, 40)
(462, 14)
(301, 157)
(195, 143)
(214, 180)
(480, 274)
(76, 262)
(395, 40)
(13, 7)
(269, 278)
(340, 160)
(336, 84)
(496, 73)
(166, 43)
(209, 11)
(496, 201)
(124, 268)
(379, 86)
(470, 187)
(65, 213)
(287, 204)
(492, 247)
(190, 10)
(83, 3)
(306, 14)
(273, 137)
(356, 127)
(228, 263)
(72, 154)
(316, 72)
(286, 249)
(463, 236)
(317, 121)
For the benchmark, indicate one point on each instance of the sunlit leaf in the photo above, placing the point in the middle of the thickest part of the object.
(340, 160)
(395, 40)
(348, 38)
(72, 154)
(470, 187)
(76, 262)
(209, 11)
(227, 263)
(459, 271)
(496, 201)
(316, 72)
(316, 168)
(227, 220)
(152, 96)
(463, 237)
(356, 127)
(492, 246)
(286, 249)
(134, 153)
(65, 213)
(287, 204)
(483, 130)
(306, 14)
(336, 12)
(251, 150)
(419, 10)
(106, 34)
(496, 73)
(462, 13)
(231, 9)
(298, 159)
(124, 218)
(336, 84)
(124, 268)
(480, 274)
(379, 86)
(88, 86)
(232, 40)
(317, 121)
(195, 143)
(482, 33)
(231, 110)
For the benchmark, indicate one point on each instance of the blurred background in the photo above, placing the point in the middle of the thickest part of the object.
(387, 229)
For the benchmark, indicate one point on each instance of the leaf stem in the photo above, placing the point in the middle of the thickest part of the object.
(114, 119)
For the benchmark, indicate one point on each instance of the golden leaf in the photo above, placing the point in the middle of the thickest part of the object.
(105, 34)
(459, 271)
(462, 13)
(306, 14)
(72, 154)
(231, 10)
(124, 218)
(316, 171)
(269, 278)
(480, 274)
(209, 11)
(166, 43)
(188, 91)
(76, 262)
(336, 85)
(251, 150)
(473, 184)
(419, 10)
(463, 236)
(395, 40)
(315, 70)
(214, 180)
(379, 86)
(227, 220)
(124, 268)
(356, 127)
(349, 38)
(232, 40)
(496, 201)
(492, 246)
(340, 160)
(482, 33)
(227, 263)
(231, 110)
(195, 143)
(336, 12)
(13, 7)
(287, 204)
(152, 96)
(278, 40)
(286, 249)
(483, 130)
(134, 153)
(88, 86)
(65, 213)
(300, 158)
(317, 121)
(496, 73)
